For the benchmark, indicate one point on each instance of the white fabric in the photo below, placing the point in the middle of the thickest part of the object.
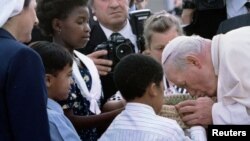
(9, 8)
(235, 8)
(230, 57)
(175, 43)
(96, 89)
(138, 122)
(125, 32)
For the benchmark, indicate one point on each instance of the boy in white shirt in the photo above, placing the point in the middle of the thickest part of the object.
(139, 79)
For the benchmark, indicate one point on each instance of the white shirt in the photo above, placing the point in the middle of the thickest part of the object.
(230, 57)
(95, 93)
(125, 32)
(235, 8)
(138, 122)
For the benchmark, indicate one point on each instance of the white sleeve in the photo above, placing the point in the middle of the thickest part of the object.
(230, 114)
(197, 133)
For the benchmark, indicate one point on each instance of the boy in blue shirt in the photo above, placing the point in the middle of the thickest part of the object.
(58, 67)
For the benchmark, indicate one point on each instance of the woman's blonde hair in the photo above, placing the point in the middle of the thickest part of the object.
(160, 22)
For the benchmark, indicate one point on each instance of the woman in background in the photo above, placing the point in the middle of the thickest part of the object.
(159, 30)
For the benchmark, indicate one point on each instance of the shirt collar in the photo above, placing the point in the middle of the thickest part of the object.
(126, 31)
(53, 105)
(132, 106)
(237, 4)
(5, 34)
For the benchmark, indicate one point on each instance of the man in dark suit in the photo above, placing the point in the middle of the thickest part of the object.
(109, 17)
(233, 23)
(23, 93)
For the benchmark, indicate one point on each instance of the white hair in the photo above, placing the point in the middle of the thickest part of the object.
(177, 49)
(9, 8)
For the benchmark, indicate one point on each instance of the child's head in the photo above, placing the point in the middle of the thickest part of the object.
(160, 29)
(66, 20)
(58, 68)
(139, 79)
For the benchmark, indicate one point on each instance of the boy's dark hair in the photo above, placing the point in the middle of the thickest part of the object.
(134, 73)
(26, 3)
(54, 56)
(47, 10)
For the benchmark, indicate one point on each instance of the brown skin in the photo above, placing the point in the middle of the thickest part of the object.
(101, 122)
(73, 33)
(153, 97)
(58, 86)
(113, 105)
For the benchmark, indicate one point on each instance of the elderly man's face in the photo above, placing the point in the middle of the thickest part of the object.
(111, 13)
(197, 81)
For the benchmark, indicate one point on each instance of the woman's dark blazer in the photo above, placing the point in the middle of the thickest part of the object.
(23, 95)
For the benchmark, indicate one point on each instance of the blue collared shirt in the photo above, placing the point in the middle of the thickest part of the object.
(61, 129)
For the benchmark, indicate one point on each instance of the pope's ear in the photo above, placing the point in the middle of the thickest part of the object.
(193, 60)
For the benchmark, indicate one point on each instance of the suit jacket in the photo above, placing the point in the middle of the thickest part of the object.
(206, 22)
(233, 23)
(23, 93)
(97, 36)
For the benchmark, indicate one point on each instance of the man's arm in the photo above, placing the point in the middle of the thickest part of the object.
(196, 112)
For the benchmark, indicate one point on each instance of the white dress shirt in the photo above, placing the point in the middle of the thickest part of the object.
(230, 57)
(138, 122)
(236, 8)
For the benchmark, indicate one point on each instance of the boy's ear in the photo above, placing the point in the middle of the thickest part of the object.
(57, 25)
(152, 90)
(48, 80)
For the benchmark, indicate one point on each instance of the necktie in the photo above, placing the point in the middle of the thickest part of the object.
(247, 4)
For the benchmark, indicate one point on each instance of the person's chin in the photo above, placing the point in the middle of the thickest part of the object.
(83, 45)
(65, 96)
(26, 39)
(118, 19)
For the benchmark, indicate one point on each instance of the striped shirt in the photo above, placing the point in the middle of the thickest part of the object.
(173, 89)
(138, 122)
(180, 90)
